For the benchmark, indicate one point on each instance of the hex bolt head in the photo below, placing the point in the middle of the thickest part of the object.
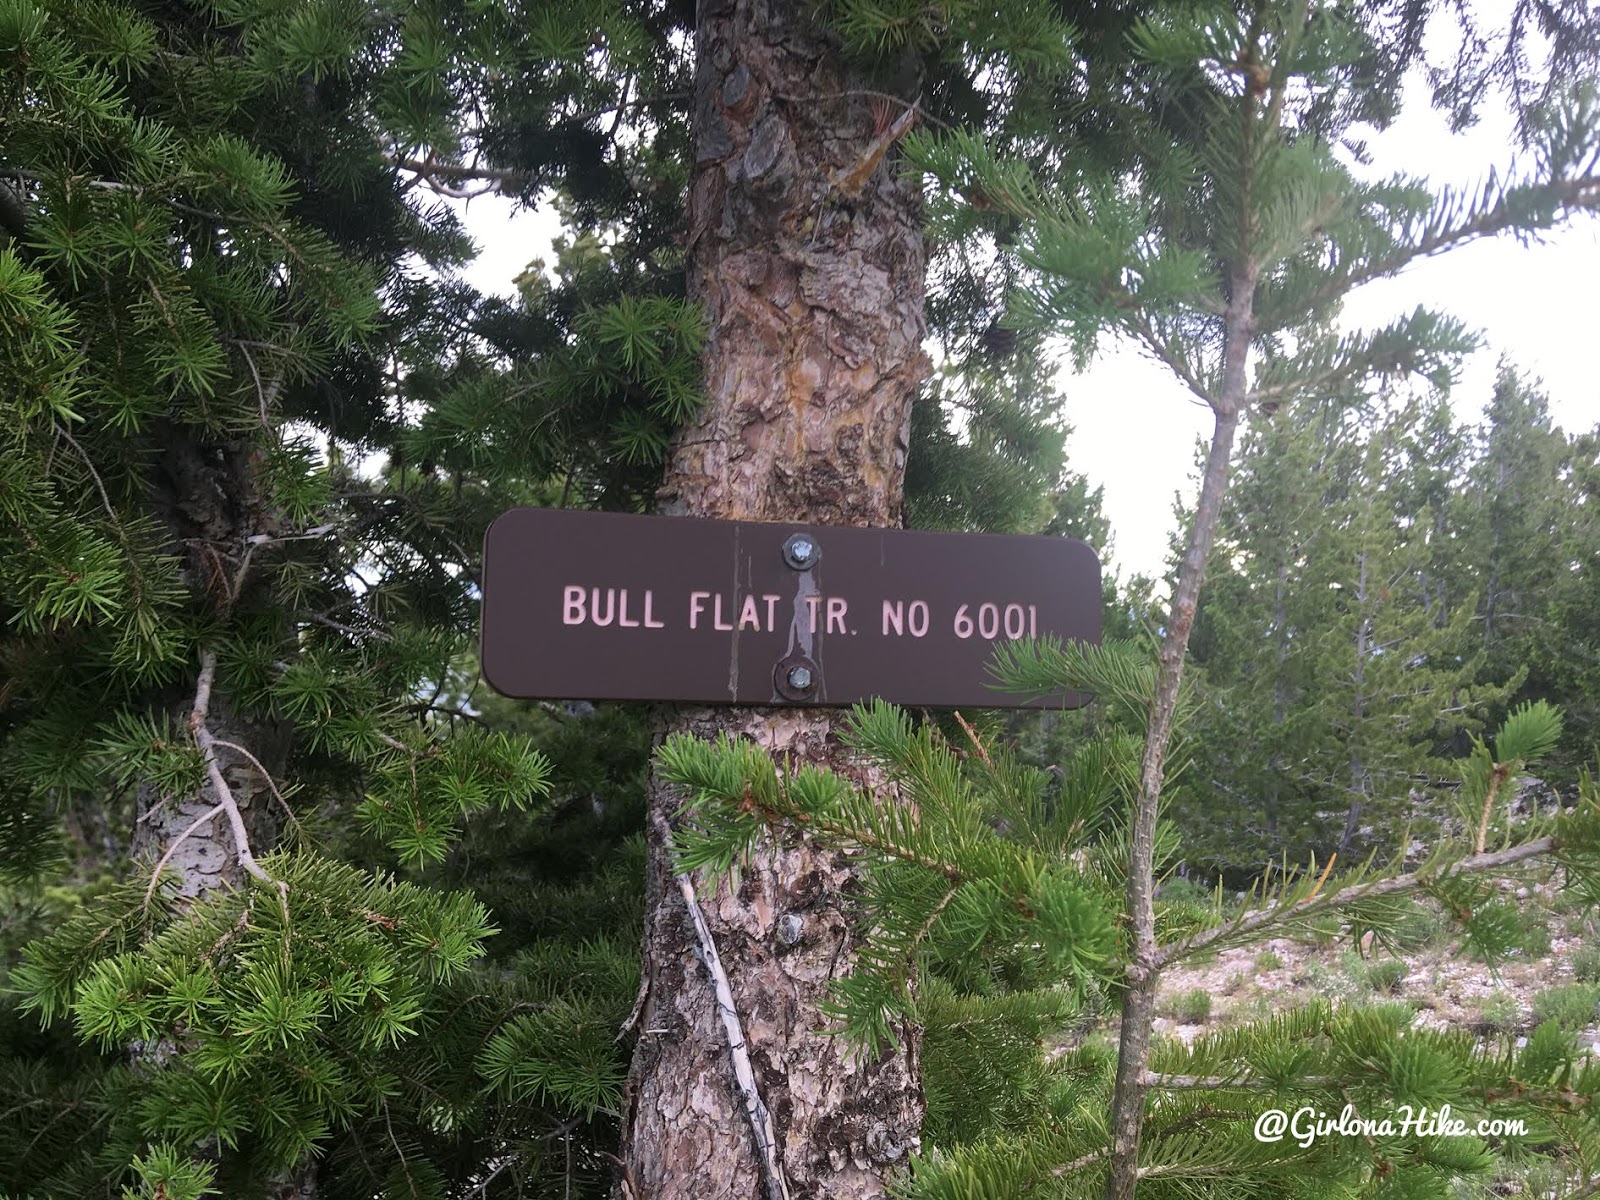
(801, 552)
(800, 678)
(790, 928)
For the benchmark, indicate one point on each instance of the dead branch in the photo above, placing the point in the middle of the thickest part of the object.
(225, 799)
(276, 794)
(266, 396)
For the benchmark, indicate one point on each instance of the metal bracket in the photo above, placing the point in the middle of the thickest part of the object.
(796, 677)
(801, 551)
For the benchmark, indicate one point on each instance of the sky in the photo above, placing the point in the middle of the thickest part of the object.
(1135, 429)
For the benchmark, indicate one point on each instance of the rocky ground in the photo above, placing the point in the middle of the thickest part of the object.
(1447, 988)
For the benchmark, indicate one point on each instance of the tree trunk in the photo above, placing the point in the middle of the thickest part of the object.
(210, 503)
(1143, 972)
(1280, 697)
(813, 295)
(208, 500)
(1360, 780)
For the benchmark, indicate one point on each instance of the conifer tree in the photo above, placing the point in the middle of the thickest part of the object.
(806, 252)
(249, 449)
(1258, 254)
(1526, 527)
(1399, 678)
(998, 896)
(1333, 547)
(1268, 594)
(1437, 498)
(1437, 454)
(215, 281)
(809, 264)
(223, 633)
(1564, 649)
(1240, 234)
(1518, 470)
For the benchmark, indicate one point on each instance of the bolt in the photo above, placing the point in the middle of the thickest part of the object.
(790, 927)
(800, 678)
(801, 552)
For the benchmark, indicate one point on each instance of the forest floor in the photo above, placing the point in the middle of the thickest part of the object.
(1555, 974)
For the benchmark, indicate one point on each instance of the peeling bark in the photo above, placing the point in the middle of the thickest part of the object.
(843, 1123)
(813, 296)
(208, 498)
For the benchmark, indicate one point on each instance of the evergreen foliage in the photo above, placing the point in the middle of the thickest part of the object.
(1010, 949)
(219, 297)
(1231, 202)
(254, 419)
(1229, 228)
(1027, 905)
(254, 425)
(1531, 520)
(1328, 637)
(1347, 621)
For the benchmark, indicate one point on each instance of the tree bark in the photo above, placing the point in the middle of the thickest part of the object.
(1144, 965)
(209, 499)
(1360, 779)
(813, 295)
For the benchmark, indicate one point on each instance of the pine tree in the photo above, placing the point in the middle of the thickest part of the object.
(1436, 532)
(807, 255)
(212, 311)
(1268, 594)
(1525, 525)
(250, 445)
(1336, 665)
(1245, 232)
(1564, 649)
(1517, 487)
(1437, 454)
(989, 913)
(1400, 675)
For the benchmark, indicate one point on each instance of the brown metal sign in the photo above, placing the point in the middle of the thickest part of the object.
(610, 606)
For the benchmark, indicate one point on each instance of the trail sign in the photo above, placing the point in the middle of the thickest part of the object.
(611, 606)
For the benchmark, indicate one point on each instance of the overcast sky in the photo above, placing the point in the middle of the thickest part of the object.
(1135, 429)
